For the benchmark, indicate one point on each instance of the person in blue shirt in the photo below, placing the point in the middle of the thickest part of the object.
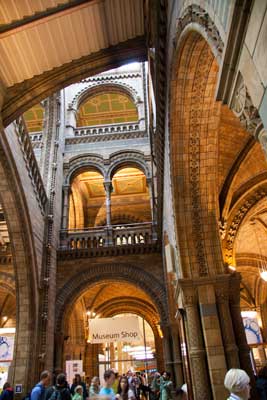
(38, 392)
(107, 391)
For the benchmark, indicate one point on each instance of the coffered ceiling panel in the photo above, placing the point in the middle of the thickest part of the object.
(36, 45)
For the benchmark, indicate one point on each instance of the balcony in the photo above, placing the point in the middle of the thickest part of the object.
(140, 235)
(104, 129)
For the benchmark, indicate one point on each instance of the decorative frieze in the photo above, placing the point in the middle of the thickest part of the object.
(243, 107)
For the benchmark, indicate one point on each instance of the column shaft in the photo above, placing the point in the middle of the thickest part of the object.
(200, 381)
(65, 211)
(228, 336)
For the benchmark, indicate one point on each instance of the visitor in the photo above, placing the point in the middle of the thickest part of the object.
(62, 391)
(261, 383)
(78, 393)
(166, 386)
(155, 387)
(94, 387)
(124, 391)
(7, 393)
(181, 393)
(116, 383)
(107, 390)
(38, 392)
(237, 382)
(78, 381)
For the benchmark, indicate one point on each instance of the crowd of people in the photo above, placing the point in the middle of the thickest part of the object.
(134, 386)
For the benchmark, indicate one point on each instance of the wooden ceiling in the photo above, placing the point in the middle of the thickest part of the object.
(38, 36)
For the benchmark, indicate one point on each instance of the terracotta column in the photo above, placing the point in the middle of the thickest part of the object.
(167, 347)
(228, 336)
(212, 338)
(241, 341)
(198, 366)
(59, 347)
(108, 189)
(65, 212)
(177, 359)
(263, 312)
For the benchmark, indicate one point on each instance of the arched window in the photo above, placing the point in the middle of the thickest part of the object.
(107, 108)
(34, 118)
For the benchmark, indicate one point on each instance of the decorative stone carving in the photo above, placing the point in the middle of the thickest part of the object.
(222, 228)
(106, 137)
(239, 215)
(262, 138)
(196, 14)
(243, 107)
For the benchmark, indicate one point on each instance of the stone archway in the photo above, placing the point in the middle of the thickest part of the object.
(23, 367)
(193, 144)
(78, 284)
(100, 278)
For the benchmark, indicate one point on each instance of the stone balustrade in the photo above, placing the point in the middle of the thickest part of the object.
(105, 236)
(36, 136)
(32, 165)
(104, 129)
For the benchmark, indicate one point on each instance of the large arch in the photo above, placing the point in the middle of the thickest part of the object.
(78, 284)
(82, 162)
(23, 368)
(193, 147)
(130, 158)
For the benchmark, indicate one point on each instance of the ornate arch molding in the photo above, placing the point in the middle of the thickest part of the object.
(82, 162)
(24, 280)
(242, 106)
(100, 87)
(194, 76)
(126, 158)
(195, 18)
(78, 284)
(236, 218)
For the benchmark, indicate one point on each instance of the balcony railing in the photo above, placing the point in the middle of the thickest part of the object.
(106, 236)
(104, 129)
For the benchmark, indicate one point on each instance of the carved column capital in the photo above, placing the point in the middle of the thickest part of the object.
(222, 290)
(189, 293)
(234, 289)
(108, 187)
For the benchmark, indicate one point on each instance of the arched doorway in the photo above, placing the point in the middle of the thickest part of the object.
(113, 299)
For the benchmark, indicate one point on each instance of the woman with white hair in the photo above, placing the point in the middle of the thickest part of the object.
(237, 382)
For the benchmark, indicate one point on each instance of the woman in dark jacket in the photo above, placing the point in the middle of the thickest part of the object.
(78, 381)
(7, 393)
(261, 383)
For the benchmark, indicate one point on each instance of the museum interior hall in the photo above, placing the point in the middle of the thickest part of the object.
(133, 190)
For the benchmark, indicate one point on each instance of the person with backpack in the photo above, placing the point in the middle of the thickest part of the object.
(62, 391)
(38, 392)
(7, 393)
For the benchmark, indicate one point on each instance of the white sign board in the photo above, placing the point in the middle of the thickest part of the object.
(73, 367)
(108, 330)
(6, 347)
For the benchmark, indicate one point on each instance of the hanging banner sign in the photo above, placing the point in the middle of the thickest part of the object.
(108, 330)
